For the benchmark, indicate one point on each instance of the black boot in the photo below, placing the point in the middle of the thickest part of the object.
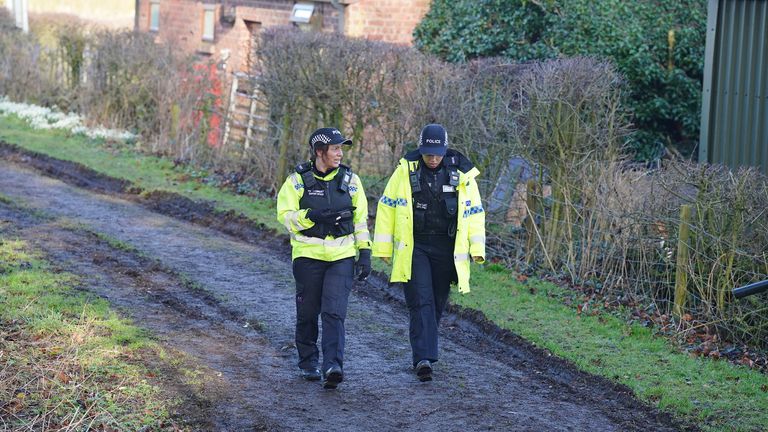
(424, 370)
(311, 374)
(333, 376)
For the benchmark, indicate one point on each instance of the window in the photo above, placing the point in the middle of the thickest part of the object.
(302, 12)
(209, 22)
(154, 15)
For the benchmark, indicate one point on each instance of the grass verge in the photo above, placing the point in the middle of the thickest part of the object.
(716, 395)
(147, 172)
(67, 362)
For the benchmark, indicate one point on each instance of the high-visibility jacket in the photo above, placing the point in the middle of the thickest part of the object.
(294, 218)
(393, 235)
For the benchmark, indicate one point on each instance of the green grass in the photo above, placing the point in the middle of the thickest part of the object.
(714, 394)
(147, 172)
(68, 358)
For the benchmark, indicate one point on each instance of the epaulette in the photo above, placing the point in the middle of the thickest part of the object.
(346, 173)
(304, 167)
(305, 171)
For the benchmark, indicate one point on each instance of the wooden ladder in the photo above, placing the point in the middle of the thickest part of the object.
(247, 114)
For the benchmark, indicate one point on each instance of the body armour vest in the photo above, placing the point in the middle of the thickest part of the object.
(332, 195)
(435, 202)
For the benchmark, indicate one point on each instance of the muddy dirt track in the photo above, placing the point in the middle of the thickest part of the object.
(224, 295)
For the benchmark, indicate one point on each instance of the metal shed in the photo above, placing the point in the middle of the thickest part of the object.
(734, 114)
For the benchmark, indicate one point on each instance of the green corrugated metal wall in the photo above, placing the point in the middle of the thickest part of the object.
(734, 118)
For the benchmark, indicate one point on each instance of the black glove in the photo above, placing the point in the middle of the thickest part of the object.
(363, 265)
(328, 216)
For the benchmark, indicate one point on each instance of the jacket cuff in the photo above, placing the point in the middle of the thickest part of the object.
(477, 250)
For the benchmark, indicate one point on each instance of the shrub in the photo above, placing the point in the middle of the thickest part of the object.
(382, 95)
(664, 73)
(25, 72)
(626, 237)
(120, 79)
(573, 122)
(363, 88)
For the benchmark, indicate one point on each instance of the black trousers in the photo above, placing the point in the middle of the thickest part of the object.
(322, 288)
(427, 292)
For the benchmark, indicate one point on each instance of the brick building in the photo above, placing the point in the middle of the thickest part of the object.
(227, 29)
(112, 14)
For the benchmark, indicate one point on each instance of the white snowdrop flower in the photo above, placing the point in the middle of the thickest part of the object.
(45, 118)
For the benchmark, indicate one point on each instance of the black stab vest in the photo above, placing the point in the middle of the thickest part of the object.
(322, 195)
(435, 200)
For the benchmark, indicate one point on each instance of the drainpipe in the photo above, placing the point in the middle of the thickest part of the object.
(136, 16)
(19, 10)
(340, 8)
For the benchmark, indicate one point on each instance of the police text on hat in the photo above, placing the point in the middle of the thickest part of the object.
(433, 140)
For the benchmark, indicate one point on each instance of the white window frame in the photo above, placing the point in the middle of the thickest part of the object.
(209, 18)
(302, 13)
(154, 15)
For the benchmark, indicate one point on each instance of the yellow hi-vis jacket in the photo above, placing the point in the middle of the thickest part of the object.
(295, 220)
(393, 235)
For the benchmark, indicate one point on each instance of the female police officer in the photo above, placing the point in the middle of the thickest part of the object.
(323, 206)
(430, 221)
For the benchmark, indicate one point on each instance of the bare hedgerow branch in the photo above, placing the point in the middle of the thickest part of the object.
(382, 95)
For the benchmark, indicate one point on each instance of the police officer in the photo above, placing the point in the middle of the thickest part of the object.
(430, 222)
(323, 206)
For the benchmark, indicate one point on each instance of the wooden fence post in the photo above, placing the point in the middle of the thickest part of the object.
(530, 228)
(681, 264)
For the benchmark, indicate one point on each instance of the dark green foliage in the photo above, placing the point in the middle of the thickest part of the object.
(466, 29)
(664, 76)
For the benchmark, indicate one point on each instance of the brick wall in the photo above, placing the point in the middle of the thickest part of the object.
(181, 24)
(385, 20)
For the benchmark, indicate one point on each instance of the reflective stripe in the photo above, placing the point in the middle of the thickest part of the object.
(295, 219)
(287, 222)
(477, 239)
(292, 221)
(473, 210)
(361, 226)
(400, 245)
(295, 179)
(461, 257)
(337, 242)
(390, 202)
(362, 236)
(382, 238)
